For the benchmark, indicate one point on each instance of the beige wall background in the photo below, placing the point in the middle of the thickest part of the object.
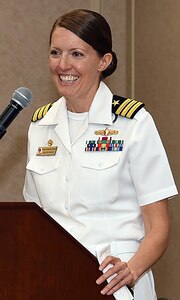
(157, 78)
(147, 41)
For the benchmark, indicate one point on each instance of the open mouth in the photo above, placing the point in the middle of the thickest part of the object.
(68, 78)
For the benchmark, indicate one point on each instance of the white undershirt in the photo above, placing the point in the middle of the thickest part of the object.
(76, 121)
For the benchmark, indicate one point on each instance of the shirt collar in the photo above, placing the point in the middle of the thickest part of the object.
(55, 113)
(101, 107)
(100, 110)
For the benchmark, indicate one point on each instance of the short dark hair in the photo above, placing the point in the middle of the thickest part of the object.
(92, 28)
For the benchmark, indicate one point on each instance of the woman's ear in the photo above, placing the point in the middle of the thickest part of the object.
(105, 62)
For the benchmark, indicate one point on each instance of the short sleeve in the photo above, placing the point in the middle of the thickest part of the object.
(29, 189)
(149, 164)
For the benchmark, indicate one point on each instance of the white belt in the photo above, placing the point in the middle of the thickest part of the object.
(117, 247)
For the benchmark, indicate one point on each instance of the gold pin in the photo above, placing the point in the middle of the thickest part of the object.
(106, 132)
(50, 143)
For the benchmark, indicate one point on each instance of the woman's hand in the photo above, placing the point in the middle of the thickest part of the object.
(116, 272)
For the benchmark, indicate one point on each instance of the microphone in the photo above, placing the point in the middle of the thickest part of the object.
(21, 98)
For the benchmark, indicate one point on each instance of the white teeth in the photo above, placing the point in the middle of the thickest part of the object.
(68, 78)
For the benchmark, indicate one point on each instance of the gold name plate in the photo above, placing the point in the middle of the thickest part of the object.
(46, 151)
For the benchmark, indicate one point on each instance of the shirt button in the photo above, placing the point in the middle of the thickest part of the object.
(100, 164)
(66, 206)
(67, 178)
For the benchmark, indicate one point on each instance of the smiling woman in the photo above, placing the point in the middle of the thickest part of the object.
(108, 163)
(76, 68)
(82, 50)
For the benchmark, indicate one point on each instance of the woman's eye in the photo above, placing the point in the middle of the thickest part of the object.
(77, 54)
(54, 52)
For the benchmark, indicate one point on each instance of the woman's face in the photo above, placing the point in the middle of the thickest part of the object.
(75, 67)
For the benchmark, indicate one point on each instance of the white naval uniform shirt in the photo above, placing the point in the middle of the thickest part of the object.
(96, 196)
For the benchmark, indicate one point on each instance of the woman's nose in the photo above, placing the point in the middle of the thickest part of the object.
(64, 62)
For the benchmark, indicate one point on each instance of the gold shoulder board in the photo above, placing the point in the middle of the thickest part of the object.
(125, 107)
(40, 112)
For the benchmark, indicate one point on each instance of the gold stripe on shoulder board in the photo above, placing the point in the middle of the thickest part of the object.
(41, 112)
(125, 107)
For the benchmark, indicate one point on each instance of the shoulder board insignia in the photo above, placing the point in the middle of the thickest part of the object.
(41, 112)
(125, 107)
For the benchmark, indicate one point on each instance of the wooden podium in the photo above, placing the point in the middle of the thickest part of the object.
(39, 260)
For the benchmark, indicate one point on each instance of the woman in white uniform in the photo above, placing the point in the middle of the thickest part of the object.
(96, 163)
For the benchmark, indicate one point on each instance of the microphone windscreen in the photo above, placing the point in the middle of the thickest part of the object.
(22, 96)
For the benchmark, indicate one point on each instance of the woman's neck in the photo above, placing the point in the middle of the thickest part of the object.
(82, 104)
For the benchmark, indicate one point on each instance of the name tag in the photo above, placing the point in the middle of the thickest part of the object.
(46, 151)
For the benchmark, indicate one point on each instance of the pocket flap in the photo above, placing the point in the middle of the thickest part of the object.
(101, 162)
(42, 165)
